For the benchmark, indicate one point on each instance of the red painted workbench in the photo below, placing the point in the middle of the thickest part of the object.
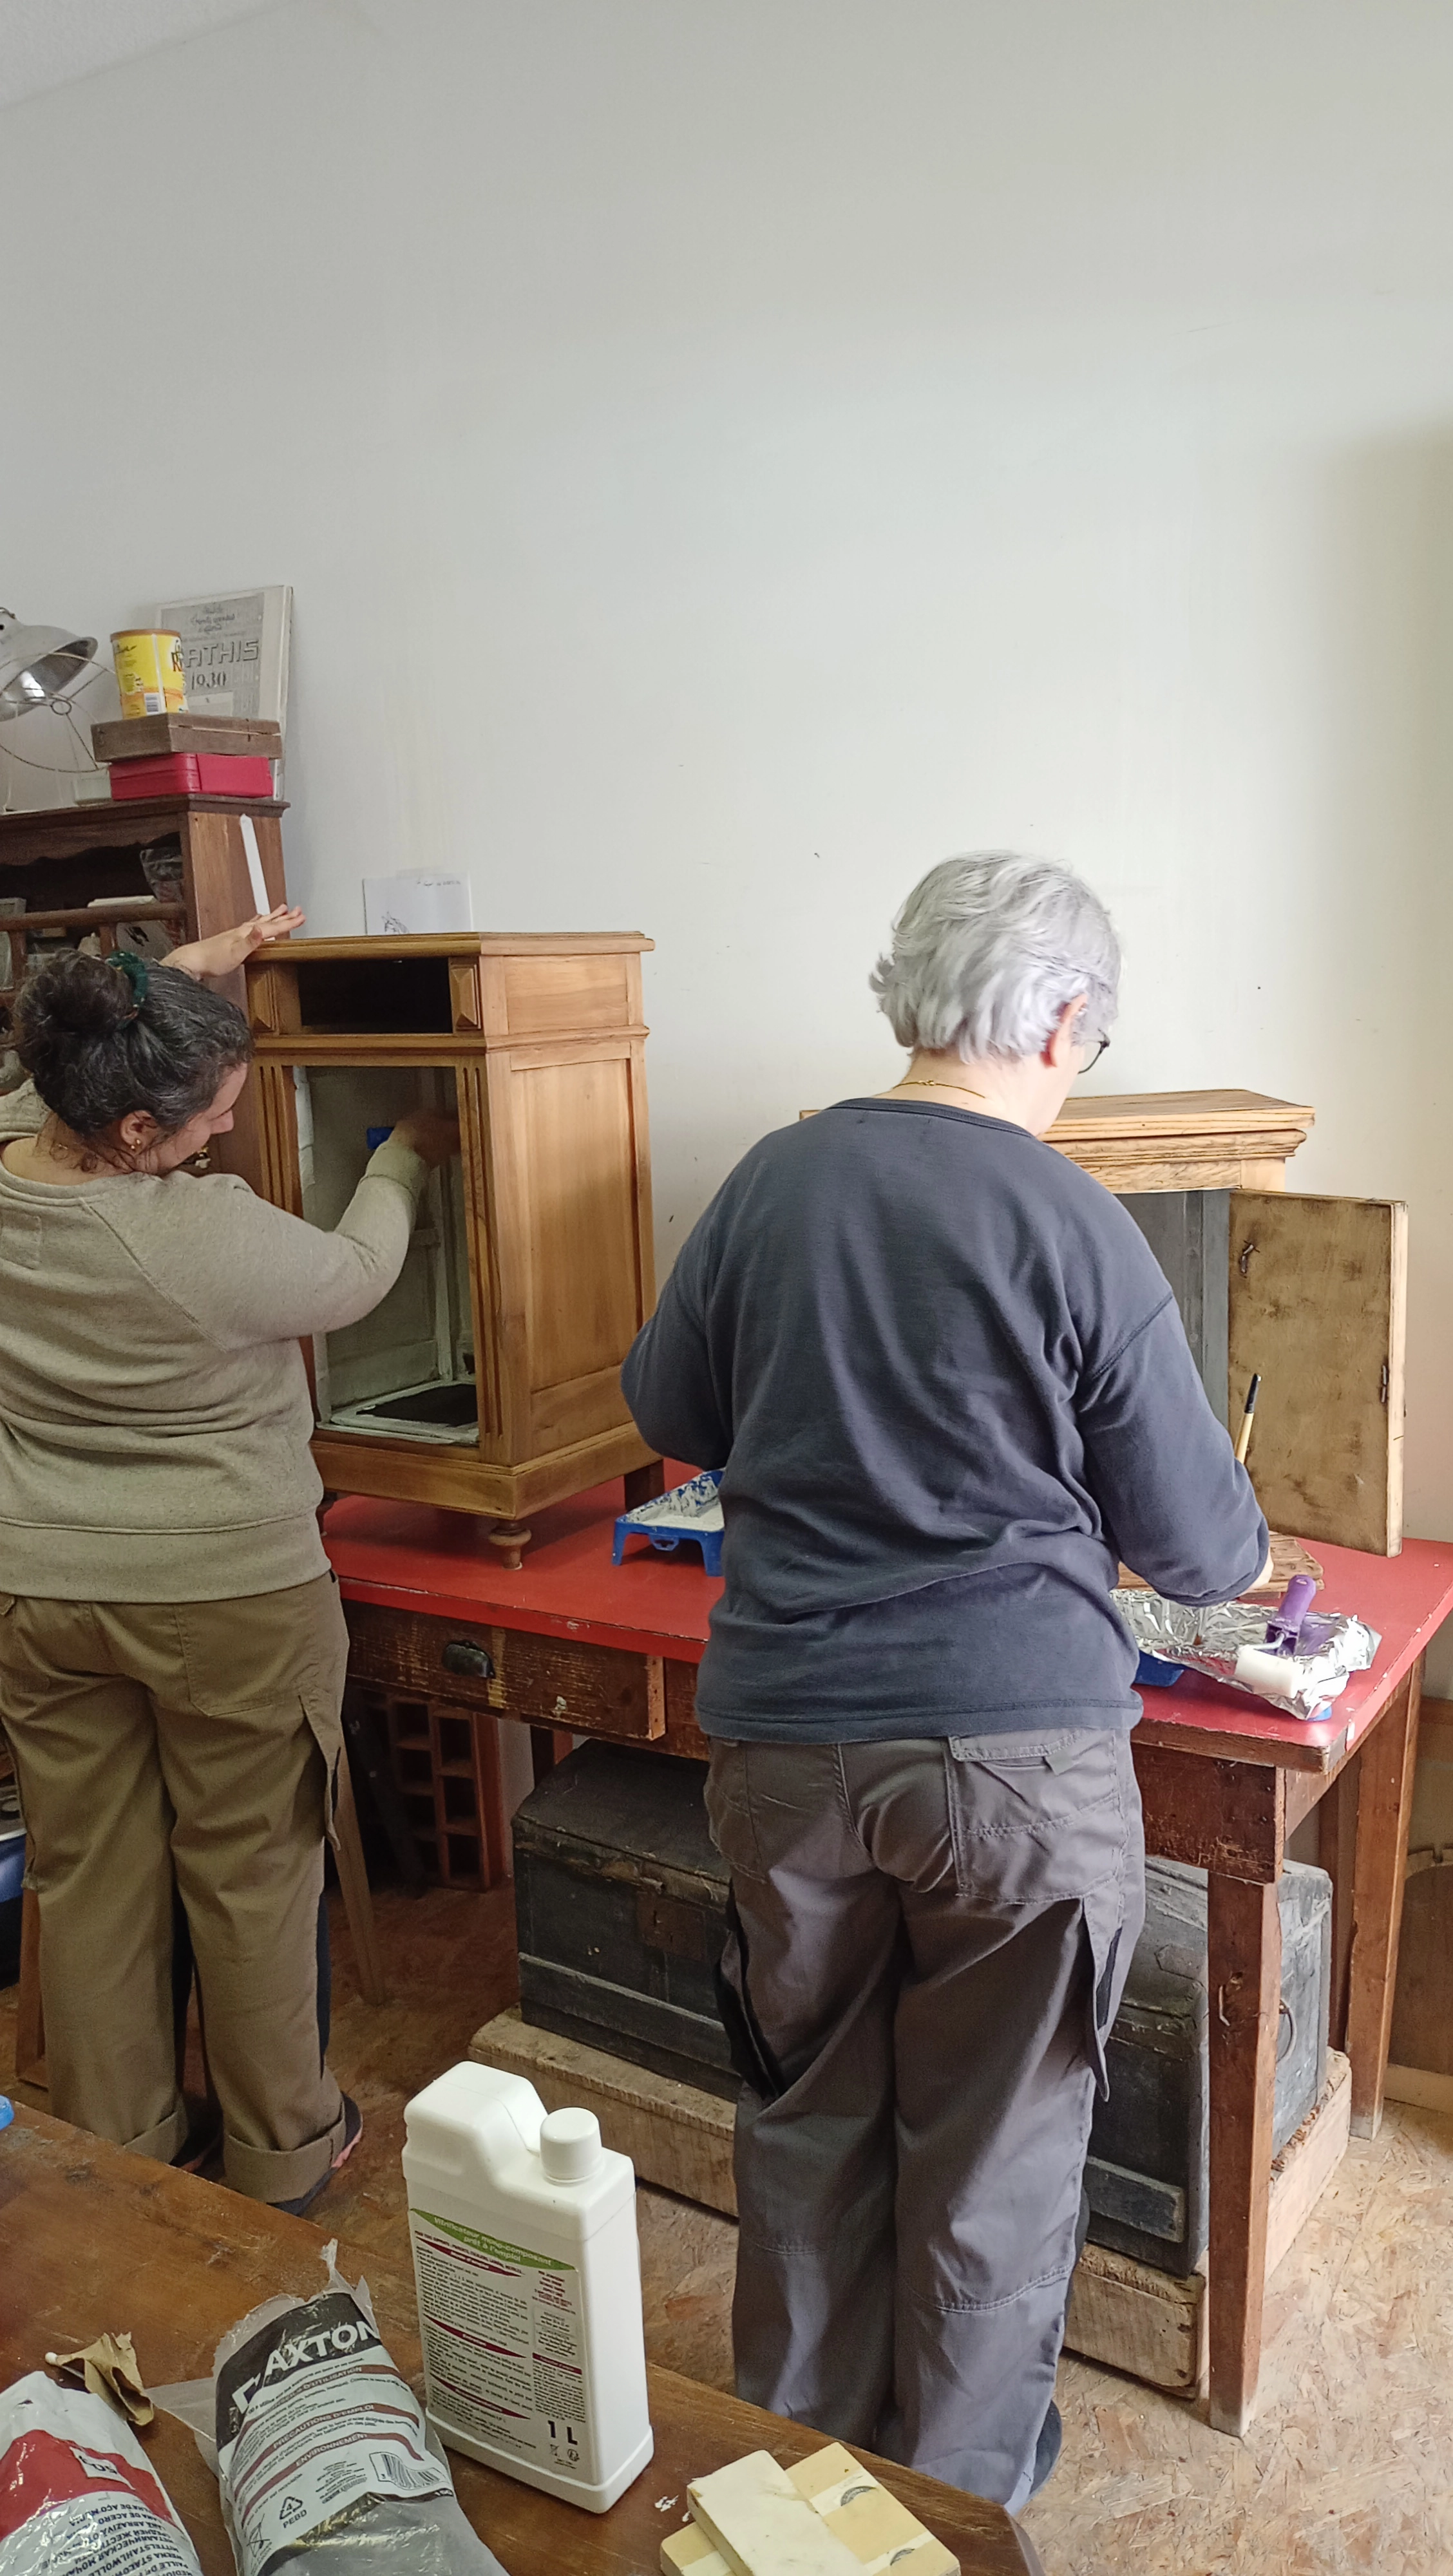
(571, 1644)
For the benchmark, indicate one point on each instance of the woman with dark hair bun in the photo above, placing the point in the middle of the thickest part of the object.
(172, 1647)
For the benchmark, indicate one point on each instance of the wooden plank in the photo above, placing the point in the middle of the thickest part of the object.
(1228, 1817)
(1244, 1978)
(93, 2239)
(1422, 2022)
(1308, 2162)
(1212, 1113)
(1337, 1855)
(62, 831)
(462, 943)
(150, 737)
(1130, 2317)
(1318, 1290)
(1431, 2092)
(1384, 1804)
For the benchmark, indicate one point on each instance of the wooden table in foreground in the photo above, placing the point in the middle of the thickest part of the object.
(95, 2240)
(572, 1642)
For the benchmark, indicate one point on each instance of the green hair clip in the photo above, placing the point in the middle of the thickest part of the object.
(134, 970)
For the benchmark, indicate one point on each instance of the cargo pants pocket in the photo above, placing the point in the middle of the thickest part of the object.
(325, 1725)
(1102, 1913)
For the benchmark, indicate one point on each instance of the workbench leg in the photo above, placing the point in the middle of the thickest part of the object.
(1244, 1973)
(357, 1895)
(1337, 1854)
(644, 1484)
(548, 1746)
(1384, 1802)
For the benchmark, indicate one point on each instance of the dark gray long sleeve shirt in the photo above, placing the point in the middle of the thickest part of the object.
(949, 1386)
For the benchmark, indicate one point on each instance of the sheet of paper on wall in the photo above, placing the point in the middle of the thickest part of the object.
(235, 647)
(407, 905)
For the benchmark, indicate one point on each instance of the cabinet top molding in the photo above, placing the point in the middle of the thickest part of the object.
(1182, 1140)
(464, 943)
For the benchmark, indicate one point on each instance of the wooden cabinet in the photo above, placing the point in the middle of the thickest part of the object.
(489, 1378)
(59, 860)
(1311, 1293)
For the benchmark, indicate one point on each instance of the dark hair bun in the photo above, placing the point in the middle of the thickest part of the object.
(80, 995)
(94, 1056)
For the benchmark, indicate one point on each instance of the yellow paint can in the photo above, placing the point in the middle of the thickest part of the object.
(149, 672)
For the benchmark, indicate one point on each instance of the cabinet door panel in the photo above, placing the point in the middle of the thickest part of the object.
(1318, 1298)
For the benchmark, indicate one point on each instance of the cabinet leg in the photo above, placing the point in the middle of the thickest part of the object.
(1384, 1802)
(1244, 2011)
(511, 1538)
(644, 1484)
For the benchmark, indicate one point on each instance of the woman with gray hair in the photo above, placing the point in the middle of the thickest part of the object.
(950, 1390)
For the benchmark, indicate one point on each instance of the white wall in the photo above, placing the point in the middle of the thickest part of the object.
(730, 454)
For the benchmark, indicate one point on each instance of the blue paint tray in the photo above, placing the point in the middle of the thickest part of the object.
(689, 1513)
(1153, 1671)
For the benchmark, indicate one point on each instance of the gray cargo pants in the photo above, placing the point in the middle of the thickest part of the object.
(929, 1945)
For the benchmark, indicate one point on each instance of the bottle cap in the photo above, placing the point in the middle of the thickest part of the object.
(570, 2147)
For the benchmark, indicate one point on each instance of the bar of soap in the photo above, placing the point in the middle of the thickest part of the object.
(763, 2525)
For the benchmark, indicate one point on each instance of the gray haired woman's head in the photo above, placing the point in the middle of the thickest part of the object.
(988, 950)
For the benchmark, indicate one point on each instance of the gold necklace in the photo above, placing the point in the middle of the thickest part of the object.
(919, 1084)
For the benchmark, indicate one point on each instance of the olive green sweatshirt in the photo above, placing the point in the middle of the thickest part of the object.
(154, 1405)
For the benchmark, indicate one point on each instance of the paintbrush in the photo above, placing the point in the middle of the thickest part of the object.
(1243, 1436)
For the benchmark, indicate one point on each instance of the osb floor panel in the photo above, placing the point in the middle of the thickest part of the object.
(1348, 2466)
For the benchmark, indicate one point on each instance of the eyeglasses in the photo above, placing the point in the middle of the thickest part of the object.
(1090, 1051)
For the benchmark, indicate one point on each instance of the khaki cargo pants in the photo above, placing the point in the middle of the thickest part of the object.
(931, 1940)
(199, 1739)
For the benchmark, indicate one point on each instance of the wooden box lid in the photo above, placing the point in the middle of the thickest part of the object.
(149, 737)
(1188, 1140)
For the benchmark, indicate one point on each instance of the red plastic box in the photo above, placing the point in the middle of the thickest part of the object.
(192, 773)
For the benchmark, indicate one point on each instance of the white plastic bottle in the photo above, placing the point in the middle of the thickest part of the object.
(529, 2280)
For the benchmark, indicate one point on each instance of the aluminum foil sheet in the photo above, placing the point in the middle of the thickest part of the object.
(1228, 1642)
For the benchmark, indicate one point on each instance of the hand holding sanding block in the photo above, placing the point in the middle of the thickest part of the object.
(828, 2516)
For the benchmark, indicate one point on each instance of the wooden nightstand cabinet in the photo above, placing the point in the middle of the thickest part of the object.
(489, 1377)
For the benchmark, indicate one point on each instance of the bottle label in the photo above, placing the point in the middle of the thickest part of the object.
(504, 2344)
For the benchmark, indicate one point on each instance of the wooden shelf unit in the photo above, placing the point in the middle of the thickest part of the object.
(59, 858)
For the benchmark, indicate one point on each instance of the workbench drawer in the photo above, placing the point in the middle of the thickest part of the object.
(540, 1681)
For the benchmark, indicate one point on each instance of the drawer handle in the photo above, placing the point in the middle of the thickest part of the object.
(460, 1656)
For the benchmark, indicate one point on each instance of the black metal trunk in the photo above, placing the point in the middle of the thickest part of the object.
(1147, 2172)
(620, 1905)
(620, 1901)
